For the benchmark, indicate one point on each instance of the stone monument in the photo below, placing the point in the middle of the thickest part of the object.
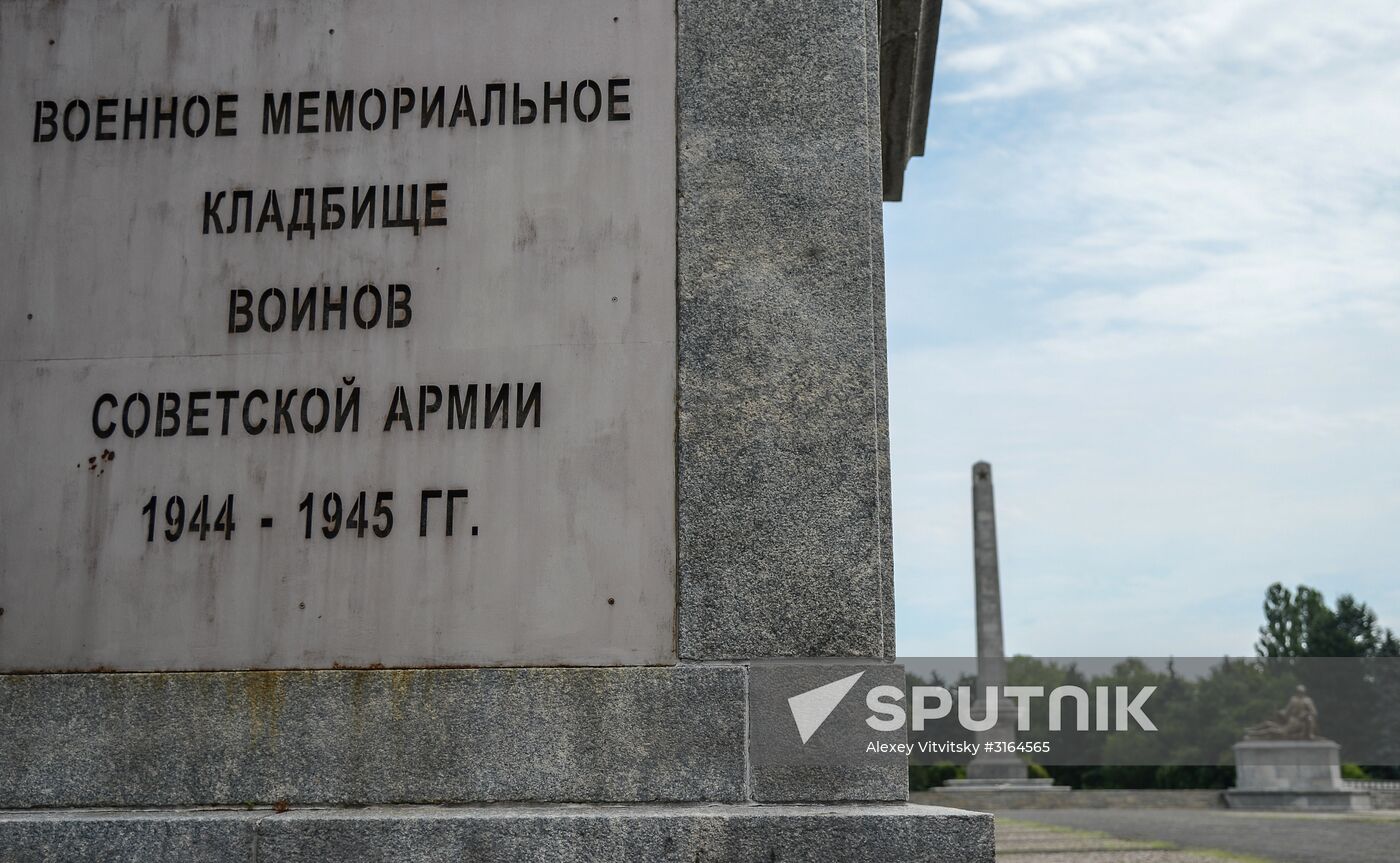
(415, 406)
(1000, 769)
(1282, 763)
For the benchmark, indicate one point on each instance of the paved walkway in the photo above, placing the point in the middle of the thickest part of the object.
(1026, 842)
(1039, 836)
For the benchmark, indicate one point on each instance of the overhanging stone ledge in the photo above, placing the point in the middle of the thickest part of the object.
(716, 833)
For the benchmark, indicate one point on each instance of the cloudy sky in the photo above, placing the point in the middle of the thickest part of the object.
(1150, 269)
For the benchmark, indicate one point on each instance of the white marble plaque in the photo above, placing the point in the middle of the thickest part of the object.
(208, 462)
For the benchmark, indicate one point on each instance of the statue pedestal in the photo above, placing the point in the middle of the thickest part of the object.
(998, 772)
(1291, 774)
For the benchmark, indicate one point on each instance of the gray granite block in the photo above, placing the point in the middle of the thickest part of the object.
(365, 737)
(781, 522)
(1288, 765)
(148, 837)
(513, 834)
(836, 763)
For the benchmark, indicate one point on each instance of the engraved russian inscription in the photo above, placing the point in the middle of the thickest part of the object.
(338, 345)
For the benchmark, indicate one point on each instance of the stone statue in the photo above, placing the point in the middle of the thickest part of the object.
(1296, 721)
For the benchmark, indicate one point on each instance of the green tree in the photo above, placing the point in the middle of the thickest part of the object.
(1346, 659)
(1301, 625)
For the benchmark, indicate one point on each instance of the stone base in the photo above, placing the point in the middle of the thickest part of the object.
(1287, 765)
(1292, 774)
(1027, 784)
(998, 800)
(1000, 766)
(715, 833)
(666, 734)
(1320, 801)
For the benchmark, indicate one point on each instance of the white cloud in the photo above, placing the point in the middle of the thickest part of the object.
(1180, 221)
(1050, 44)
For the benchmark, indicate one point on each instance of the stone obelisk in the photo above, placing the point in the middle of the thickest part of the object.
(998, 768)
(991, 651)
